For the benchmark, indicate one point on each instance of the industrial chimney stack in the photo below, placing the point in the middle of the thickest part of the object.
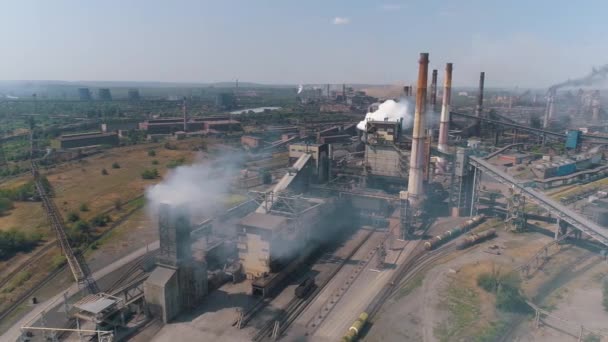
(549, 109)
(416, 176)
(434, 90)
(444, 121)
(479, 109)
(595, 106)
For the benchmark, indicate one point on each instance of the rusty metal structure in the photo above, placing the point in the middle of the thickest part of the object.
(416, 174)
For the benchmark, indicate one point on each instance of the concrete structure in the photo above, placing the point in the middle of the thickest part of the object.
(319, 154)
(385, 152)
(178, 282)
(416, 173)
(262, 243)
(444, 121)
(86, 139)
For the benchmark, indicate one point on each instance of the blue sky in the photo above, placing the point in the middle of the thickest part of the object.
(517, 43)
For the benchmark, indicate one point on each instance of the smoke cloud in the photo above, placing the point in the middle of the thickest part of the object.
(391, 110)
(595, 76)
(201, 187)
(300, 88)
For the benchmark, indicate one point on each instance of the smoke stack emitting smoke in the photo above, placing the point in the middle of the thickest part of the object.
(201, 187)
(595, 76)
(391, 110)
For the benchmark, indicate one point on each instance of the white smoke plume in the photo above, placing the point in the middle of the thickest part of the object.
(202, 187)
(391, 110)
(300, 88)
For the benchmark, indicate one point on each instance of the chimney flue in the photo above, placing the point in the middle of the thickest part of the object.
(434, 90)
(444, 121)
(416, 175)
(478, 111)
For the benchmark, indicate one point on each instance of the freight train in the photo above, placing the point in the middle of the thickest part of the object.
(305, 287)
(454, 232)
(474, 238)
(355, 329)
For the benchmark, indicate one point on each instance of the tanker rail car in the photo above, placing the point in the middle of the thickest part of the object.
(454, 232)
(475, 238)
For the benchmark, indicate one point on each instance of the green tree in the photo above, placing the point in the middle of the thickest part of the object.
(5, 205)
(149, 174)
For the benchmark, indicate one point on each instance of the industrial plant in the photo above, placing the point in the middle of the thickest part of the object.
(310, 212)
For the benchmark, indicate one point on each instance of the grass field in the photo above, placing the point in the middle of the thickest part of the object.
(82, 182)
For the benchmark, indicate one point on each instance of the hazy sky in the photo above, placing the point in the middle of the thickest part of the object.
(516, 42)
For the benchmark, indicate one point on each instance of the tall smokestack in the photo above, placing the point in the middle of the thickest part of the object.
(344, 92)
(416, 176)
(434, 90)
(444, 121)
(595, 106)
(479, 109)
(328, 94)
(549, 109)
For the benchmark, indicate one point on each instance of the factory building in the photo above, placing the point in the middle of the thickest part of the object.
(320, 154)
(86, 140)
(263, 239)
(221, 126)
(178, 282)
(385, 153)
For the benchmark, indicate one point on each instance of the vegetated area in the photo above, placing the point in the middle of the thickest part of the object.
(89, 200)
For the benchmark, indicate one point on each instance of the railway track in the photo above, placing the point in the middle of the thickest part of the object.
(279, 324)
(38, 255)
(6, 312)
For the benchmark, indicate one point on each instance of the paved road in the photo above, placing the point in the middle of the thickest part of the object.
(14, 332)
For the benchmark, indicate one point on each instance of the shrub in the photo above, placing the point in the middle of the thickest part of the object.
(175, 163)
(5, 205)
(118, 204)
(84, 207)
(82, 226)
(487, 282)
(73, 217)
(170, 146)
(100, 220)
(14, 241)
(506, 287)
(104, 172)
(115, 165)
(149, 174)
(151, 153)
(155, 162)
